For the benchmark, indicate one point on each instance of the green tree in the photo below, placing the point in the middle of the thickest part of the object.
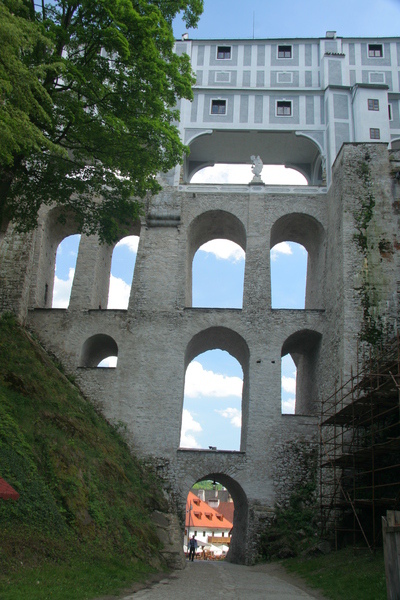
(88, 97)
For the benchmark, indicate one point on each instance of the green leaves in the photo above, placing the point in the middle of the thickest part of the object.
(90, 90)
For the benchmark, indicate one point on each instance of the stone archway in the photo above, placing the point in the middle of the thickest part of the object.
(236, 147)
(237, 551)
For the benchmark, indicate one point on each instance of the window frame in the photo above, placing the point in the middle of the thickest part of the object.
(374, 133)
(373, 104)
(224, 50)
(373, 49)
(284, 49)
(218, 102)
(283, 104)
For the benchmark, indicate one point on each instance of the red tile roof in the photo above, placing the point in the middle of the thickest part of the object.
(226, 509)
(202, 516)
(7, 492)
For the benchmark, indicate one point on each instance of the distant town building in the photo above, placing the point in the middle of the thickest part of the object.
(211, 529)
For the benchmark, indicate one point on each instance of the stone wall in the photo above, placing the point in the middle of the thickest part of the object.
(161, 332)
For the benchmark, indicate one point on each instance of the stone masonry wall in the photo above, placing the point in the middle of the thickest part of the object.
(161, 332)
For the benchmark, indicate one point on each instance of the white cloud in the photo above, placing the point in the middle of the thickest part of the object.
(281, 248)
(289, 384)
(189, 424)
(288, 406)
(131, 242)
(111, 361)
(224, 249)
(200, 382)
(62, 290)
(233, 414)
(119, 292)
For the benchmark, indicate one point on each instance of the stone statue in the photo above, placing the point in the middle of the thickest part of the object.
(256, 168)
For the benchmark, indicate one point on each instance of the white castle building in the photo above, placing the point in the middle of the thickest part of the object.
(290, 101)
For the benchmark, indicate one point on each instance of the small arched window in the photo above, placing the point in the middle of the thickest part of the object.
(98, 348)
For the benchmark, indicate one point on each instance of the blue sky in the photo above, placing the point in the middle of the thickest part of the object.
(295, 18)
(212, 405)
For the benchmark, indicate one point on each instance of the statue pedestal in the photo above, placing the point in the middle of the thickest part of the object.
(256, 181)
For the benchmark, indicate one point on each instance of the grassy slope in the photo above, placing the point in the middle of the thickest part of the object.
(85, 505)
(344, 575)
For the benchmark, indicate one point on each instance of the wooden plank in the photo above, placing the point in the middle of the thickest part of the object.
(391, 548)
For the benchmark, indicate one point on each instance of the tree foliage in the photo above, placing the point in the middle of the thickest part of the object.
(88, 97)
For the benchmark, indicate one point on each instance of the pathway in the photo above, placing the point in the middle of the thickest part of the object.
(223, 580)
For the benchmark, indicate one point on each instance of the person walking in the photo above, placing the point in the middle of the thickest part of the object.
(192, 547)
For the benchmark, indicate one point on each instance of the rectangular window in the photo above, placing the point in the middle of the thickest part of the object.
(284, 51)
(218, 107)
(373, 104)
(204, 534)
(283, 108)
(223, 52)
(390, 112)
(375, 50)
(374, 133)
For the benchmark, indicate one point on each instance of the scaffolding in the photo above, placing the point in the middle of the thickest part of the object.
(360, 450)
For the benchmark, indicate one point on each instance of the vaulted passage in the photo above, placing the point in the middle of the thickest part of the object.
(237, 497)
(236, 147)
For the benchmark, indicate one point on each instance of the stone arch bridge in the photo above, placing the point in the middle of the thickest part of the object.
(160, 332)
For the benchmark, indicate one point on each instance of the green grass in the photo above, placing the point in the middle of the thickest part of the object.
(84, 517)
(344, 575)
(80, 578)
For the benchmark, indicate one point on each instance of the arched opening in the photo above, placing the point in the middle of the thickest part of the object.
(222, 173)
(288, 275)
(218, 275)
(303, 347)
(216, 226)
(288, 385)
(122, 270)
(286, 148)
(66, 257)
(232, 503)
(98, 348)
(222, 339)
(305, 230)
(54, 231)
(212, 415)
(209, 521)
